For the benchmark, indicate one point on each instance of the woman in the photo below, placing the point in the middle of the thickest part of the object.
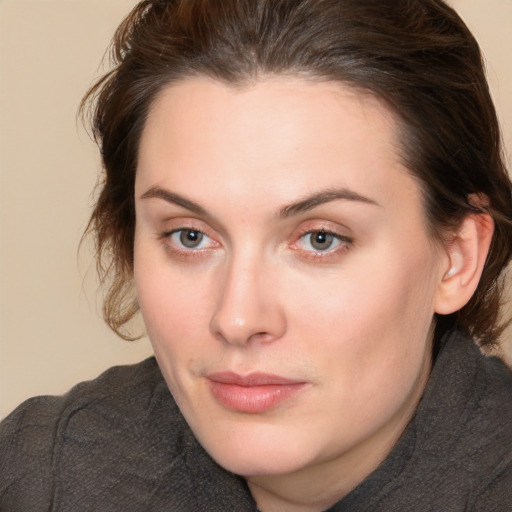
(308, 204)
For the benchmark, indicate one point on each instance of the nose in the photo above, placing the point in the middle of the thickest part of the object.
(248, 307)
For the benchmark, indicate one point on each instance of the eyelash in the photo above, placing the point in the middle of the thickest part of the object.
(327, 255)
(323, 256)
(184, 253)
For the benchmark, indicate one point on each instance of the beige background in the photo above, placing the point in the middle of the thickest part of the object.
(51, 332)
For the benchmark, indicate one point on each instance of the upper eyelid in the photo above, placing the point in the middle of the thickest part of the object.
(169, 232)
(328, 231)
(177, 230)
(166, 238)
(339, 236)
(326, 226)
(309, 226)
(344, 243)
(175, 223)
(172, 225)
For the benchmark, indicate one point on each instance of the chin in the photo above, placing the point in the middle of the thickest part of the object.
(257, 451)
(250, 464)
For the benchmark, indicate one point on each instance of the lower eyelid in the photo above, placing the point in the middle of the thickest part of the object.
(338, 236)
(329, 254)
(326, 256)
(344, 243)
(183, 252)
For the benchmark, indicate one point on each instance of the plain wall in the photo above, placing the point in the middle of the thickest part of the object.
(51, 332)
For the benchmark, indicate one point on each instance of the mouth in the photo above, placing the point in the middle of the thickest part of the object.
(254, 393)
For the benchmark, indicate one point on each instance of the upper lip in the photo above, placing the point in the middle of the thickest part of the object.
(252, 379)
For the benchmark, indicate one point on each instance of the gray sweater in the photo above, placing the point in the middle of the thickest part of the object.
(119, 443)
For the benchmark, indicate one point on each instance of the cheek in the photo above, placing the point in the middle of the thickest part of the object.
(371, 341)
(369, 300)
(168, 301)
(367, 319)
(172, 309)
(175, 319)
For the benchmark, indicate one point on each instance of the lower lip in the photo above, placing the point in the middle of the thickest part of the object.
(253, 399)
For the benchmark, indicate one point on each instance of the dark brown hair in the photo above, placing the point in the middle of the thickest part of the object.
(417, 56)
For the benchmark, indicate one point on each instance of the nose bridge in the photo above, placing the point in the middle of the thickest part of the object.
(247, 307)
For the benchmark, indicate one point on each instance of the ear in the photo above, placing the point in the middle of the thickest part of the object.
(467, 253)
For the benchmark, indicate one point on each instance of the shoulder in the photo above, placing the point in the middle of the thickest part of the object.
(119, 392)
(457, 452)
(491, 408)
(472, 398)
(495, 494)
(90, 435)
(492, 432)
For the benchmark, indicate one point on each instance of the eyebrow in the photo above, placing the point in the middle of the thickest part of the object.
(323, 197)
(171, 197)
(304, 205)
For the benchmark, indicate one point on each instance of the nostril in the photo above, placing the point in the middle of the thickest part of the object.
(261, 337)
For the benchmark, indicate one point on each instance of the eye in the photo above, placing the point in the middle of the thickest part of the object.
(190, 239)
(320, 241)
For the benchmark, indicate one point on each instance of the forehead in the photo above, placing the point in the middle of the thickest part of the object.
(280, 137)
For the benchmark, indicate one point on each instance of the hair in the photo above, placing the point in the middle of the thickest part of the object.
(416, 56)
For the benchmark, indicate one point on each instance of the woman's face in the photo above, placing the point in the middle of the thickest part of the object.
(285, 273)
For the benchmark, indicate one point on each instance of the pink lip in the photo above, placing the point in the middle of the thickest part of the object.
(253, 393)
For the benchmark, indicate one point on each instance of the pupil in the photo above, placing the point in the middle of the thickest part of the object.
(321, 240)
(190, 238)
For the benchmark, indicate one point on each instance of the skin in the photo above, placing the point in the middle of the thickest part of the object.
(352, 321)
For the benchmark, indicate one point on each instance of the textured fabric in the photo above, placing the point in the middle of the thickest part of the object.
(456, 455)
(119, 443)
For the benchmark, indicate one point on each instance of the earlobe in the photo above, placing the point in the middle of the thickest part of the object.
(467, 254)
